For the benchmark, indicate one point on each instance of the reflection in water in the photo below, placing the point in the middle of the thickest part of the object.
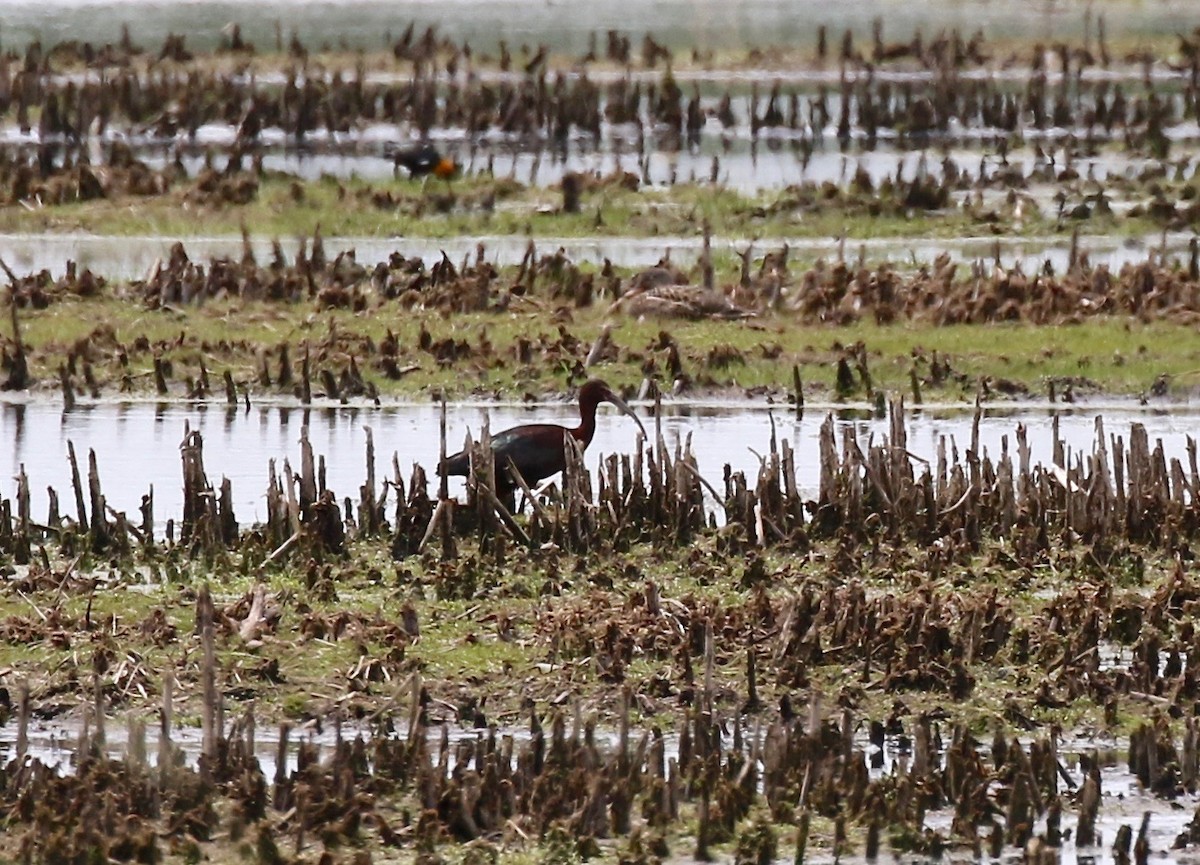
(1125, 799)
(18, 425)
(781, 156)
(137, 444)
(135, 257)
(565, 25)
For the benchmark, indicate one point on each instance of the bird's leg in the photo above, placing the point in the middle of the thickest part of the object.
(515, 474)
(509, 500)
(506, 518)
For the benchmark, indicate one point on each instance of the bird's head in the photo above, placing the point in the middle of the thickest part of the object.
(596, 391)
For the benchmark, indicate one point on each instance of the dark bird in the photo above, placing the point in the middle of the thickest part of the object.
(538, 450)
(422, 160)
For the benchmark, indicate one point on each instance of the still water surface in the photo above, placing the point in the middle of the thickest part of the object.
(1123, 800)
(128, 258)
(566, 24)
(137, 444)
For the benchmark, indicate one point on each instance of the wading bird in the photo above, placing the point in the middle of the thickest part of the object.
(538, 450)
(422, 160)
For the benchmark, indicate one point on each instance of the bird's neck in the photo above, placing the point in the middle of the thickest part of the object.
(587, 423)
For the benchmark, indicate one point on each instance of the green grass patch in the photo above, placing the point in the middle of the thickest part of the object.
(1113, 356)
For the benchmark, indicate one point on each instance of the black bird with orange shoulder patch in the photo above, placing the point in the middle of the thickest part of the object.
(422, 160)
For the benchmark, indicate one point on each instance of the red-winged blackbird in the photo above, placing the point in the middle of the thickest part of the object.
(421, 160)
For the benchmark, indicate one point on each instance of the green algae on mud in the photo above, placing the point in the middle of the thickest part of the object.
(350, 633)
(121, 341)
(284, 206)
(529, 633)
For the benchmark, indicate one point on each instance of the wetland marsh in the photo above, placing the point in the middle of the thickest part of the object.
(905, 298)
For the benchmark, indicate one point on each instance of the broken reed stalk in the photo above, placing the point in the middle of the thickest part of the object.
(18, 374)
(752, 704)
(24, 517)
(506, 518)
(225, 515)
(137, 741)
(147, 511)
(369, 518)
(280, 551)
(445, 507)
(709, 664)
(599, 347)
(282, 797)
(201, 518)
(305, 379)
(98, 739)
(77, 486)
(208, 678)
(481, 479)
(166, 719)
(802, 829)
(798, 391)
(292, 507)
(435, 523)
(160, 377)
(443, 478)
(576, 523)
(515, 473)
(308, 473)
(98, 529)
(68, 390)
(1141, 847)
(23, 713)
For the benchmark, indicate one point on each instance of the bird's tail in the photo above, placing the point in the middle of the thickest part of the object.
(459, 464)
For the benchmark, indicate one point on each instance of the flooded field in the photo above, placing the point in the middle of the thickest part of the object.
(730, 26)
(1124, 803)
(129, 258)
(737, 160)
(137, 444)
(923, 100)
(1082, 792)
(825, 127)
(896, 558)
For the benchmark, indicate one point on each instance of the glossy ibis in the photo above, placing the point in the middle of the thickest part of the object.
(539, 449)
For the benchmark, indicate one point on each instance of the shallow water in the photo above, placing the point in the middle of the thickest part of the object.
(706, 23)
(565, 24)
(1122, 800)
(125, 258)
(137, 444)
(771, 159)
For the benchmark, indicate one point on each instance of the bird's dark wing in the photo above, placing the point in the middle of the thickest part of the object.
(418, 160)
(456, 464)
(536, 449)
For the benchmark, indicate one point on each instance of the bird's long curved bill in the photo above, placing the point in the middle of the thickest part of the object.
(625, 409)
